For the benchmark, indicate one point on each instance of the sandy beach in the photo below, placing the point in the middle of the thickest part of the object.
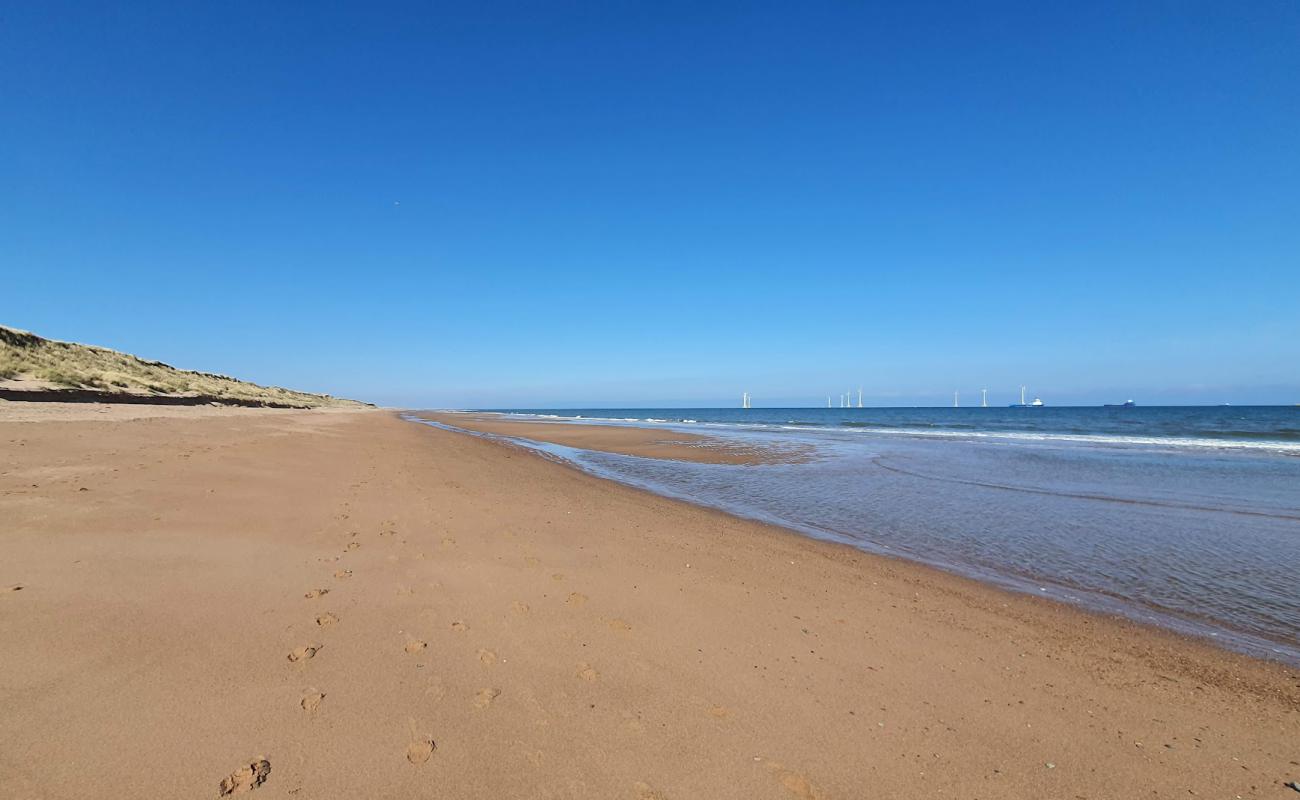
(307, 604)
(630, 441)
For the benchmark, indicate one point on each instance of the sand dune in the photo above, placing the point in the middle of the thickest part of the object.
(35, 369)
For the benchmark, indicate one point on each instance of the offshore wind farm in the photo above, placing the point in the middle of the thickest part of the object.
(650, 401)
(846, 400)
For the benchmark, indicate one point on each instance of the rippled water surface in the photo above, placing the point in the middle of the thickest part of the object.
(1189, 518)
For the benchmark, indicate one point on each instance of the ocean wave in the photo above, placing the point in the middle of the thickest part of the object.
(654, 420)
(1100, 439)
(1281, 440)
(921, 425)
(1280, 434)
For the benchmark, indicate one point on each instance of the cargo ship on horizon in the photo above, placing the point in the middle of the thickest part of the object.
(1037, 403)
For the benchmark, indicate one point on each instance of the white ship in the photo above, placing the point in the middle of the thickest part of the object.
(1038, 403)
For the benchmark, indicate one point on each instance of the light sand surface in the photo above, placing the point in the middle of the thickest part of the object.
(14, 411)
(645, 442)
(497, 625)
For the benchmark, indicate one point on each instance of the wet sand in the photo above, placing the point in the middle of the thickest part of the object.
(645, 442)
(346, 604)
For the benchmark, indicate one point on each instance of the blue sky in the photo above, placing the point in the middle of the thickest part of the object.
(471, 205)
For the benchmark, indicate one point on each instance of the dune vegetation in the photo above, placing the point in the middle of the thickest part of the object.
(34, 363)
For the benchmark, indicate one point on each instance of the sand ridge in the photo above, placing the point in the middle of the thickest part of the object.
(580, 639)
(627, 440)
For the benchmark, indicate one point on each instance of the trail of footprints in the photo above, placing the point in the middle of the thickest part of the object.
(421, 746)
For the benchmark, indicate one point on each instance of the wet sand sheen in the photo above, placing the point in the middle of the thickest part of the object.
(301, 604)
(1187, 539)
(629, 441)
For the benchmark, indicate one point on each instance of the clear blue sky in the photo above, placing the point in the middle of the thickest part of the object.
(667, 203)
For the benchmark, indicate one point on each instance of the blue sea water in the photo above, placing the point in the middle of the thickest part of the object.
(1188, 517)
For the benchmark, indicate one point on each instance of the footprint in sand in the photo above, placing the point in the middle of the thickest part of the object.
(354, 545)
(645, 791)
(447, 541)
(415, 645)
(435, 690)
(577, 599)
(343, 573)
(311, 701)
(619, 625)
(588, 673)
(796, 784)
(325, 620)
(314, 593)
(519, 607)
(303, 653)
(485, 697)
(420, 749)
(459, 626)
(557, 576)
(246, 779)
(720, 712)
(487, 657)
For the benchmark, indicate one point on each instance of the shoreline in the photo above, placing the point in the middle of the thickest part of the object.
(675, 445)
(624, 440)
(554, 633)
(932, 574)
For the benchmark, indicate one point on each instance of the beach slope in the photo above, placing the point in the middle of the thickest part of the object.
(311, 604)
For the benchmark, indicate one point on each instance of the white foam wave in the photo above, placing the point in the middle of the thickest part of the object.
(1095, 439)
(1091, 438)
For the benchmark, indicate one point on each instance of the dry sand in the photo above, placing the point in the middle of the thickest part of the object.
(11, 411)
(315, 605)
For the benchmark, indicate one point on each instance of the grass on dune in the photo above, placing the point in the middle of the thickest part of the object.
(25, 355)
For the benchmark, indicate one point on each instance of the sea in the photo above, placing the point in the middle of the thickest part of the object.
(1184, 517)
